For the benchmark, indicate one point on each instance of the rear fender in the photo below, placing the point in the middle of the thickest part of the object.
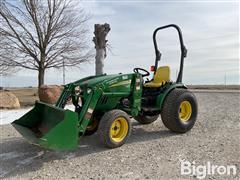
(161, 97)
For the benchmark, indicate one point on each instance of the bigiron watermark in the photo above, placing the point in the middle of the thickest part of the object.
(201, 171)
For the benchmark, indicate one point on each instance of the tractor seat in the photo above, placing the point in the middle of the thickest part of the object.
(161, 77)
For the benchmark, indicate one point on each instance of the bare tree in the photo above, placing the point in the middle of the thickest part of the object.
(39, 34)
(6, 70)
(100, 32)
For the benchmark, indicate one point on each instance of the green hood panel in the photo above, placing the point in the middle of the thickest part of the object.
(92, 81)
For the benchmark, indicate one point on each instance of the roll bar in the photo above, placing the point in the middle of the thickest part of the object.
(182, 47)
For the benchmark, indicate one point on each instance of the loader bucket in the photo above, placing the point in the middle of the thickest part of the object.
(49, 127)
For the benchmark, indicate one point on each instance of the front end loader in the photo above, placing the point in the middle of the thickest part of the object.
(105, 104)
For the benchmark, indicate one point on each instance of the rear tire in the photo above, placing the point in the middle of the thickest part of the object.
(114, 128)
(146, 119)
(179, 111)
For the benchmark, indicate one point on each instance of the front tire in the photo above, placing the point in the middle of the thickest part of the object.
(179, 111)
(114, 128)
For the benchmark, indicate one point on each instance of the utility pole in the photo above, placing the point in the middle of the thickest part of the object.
(225, 80)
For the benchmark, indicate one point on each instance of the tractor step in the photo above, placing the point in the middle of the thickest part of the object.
(150, 109)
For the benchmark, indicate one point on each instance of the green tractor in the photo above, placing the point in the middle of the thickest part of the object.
(106, 103)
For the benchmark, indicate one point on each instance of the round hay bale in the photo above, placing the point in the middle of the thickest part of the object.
(49, 94)
(8, 100)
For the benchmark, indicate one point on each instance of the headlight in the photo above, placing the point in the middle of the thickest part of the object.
(89, 90)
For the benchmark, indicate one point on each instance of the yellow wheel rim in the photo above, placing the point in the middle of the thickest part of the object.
(185, 111)
(119, 129)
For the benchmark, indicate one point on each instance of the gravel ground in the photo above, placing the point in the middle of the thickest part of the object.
(152, 151)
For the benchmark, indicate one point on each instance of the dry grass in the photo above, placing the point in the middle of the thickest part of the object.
(26, 96)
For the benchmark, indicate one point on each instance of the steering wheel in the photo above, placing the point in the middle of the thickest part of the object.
(136, 70)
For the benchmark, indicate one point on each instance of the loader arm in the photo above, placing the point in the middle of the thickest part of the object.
(87, 110)
(66, 93)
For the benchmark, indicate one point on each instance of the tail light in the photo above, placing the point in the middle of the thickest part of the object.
(152, 68)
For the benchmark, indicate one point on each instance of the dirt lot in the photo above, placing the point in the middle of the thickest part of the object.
(152, 151)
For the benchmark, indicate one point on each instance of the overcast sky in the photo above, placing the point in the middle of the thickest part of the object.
(210, 30)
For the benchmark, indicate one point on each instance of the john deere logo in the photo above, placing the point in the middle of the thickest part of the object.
(127, 82)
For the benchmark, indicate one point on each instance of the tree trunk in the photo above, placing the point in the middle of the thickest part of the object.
(100, 56)
(101, 31)
(41, 69)
(41, 73)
